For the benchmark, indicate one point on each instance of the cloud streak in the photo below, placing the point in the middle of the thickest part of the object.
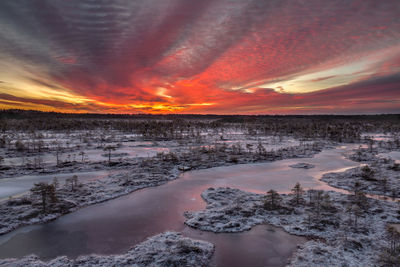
(211, 56)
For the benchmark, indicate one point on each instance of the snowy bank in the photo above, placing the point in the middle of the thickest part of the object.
(378, 176)
(166, 249)
(351, 229)
(25, 210)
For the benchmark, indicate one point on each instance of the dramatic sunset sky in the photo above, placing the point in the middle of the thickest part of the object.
(201, 56)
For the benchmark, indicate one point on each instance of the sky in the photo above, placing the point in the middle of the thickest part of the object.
(206, 56)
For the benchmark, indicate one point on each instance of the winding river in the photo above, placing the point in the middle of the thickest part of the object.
(114, 226)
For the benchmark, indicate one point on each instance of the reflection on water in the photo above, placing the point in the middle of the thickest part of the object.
(264, 245)
(261, 177)
(114, 226)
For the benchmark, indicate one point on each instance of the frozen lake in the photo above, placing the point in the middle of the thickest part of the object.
(114, 226)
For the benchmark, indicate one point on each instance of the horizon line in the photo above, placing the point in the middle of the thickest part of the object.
(192, 114)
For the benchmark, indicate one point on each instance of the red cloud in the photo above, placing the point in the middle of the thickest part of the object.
(199, 56)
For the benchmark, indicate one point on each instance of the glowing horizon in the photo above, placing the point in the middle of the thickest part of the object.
(211, 56)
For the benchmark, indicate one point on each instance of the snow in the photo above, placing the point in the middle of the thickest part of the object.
(166, 249)
(384, 181)
(82, 151)
(333, 242)
(142, 173)
(233, 210)
(394, 155)
(23, 210)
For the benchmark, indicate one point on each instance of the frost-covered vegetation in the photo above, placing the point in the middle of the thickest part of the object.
(142, 173)
(167, 249)
(47, 201)
(344, 229)
(378, 176)
(147, 150)
(49, 142)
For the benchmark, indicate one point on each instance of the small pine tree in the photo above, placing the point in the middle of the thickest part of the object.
(272, 200)
(384, 182)
(75, 181)
(327, 202)
(367, 173)
(356, 188)
(361, 200)
(357, 213)
(393, 237)
(47, 192)
(298, 192)
(82, 154)
(311, 196)
(318, 202)
(109, 149)
(56, 184)
(72, 182)
(261, 151)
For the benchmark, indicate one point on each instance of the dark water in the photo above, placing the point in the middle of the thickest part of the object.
(264, 245)
(114, 226)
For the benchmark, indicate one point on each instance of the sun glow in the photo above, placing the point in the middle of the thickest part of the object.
(217, 57)
(339, 75)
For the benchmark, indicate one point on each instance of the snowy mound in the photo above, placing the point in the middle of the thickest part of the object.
(167, 249)
(302, 165)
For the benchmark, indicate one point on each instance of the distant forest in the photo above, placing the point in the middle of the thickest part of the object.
(34, 114)
(177, 126)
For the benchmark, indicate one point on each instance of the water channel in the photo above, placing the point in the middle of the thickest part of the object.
(114, 226)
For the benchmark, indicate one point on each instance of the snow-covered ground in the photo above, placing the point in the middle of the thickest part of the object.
(377, 136)
(394, 155)
(228, 210)
(167, 249)
(341, 236)
(127, 150)
(82, 151)
(18, 185)
(142, 173)
(26, 209)
(377, 176)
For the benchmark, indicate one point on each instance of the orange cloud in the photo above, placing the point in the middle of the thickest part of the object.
(211, 56)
